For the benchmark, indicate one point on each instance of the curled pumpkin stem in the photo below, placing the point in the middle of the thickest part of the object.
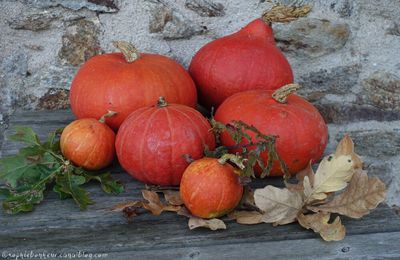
(105, 116)
(235, 159)
(128, 50)
(285, 14)
(281, 94)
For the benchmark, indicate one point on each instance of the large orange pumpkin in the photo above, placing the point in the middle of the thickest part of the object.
(210, 188)
(245, 60)
(153, 142)
(89, 143)
(301, 131)
(124, 83)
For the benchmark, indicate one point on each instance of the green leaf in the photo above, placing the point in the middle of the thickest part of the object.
(69, 183)
(52, 142)
(108, 184)
(16, 167)
(24, 201)
(25, 135)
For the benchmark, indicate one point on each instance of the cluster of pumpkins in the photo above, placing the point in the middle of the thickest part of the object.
(149, 101)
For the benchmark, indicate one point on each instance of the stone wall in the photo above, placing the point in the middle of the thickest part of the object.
(346, 54)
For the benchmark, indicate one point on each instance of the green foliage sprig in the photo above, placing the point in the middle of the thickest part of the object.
(40, 166)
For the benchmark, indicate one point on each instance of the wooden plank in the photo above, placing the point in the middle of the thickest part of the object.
(379, 246)
(60, 226)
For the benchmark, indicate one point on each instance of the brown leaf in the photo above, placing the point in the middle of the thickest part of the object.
(213, 224)
(361, 196)
(246, 217)
(309, 172)
(173, 197)
(333, 174)
(279, 206)
(154, 205)
(183, 211)
(319, 222)
(121, 206)
(346, 147)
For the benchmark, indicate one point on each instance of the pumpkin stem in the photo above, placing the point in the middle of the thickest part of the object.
(284, 14)
(280, 95)
(161, 102)
(234, 158)
(105, 116)
(128, 50)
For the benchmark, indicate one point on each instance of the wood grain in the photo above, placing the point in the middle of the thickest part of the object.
(59, 226)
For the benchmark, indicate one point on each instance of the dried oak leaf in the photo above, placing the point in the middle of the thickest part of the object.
(319, 222)
(213, 224)
(361, 196)
(333, 174)
(246, 217)
(279, 206)
(299, 186)
(173, 197)
(154, 204)
(121, 206)
(346, 147)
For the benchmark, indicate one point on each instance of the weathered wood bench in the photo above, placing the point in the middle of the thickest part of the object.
(60, 227)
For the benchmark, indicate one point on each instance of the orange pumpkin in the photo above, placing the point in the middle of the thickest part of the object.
(153, 141)
(124, 83)
(301, 130)
(88, 143)
(210, 188)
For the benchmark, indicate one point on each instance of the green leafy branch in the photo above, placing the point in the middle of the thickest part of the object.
(239, 132)
(38, 166)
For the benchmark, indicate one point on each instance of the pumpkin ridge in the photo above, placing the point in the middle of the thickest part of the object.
(198, 115)
(198, 131)
(149, 121)
(143, 111)
(172, 133)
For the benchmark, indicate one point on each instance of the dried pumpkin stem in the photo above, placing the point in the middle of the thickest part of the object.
(105, 116)
(284, 14)
(161, 102)
(235, 159)
(281, 94)
(128, 50)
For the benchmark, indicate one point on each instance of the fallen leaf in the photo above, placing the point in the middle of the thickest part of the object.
(154, 205)
(183, 211)
(173, 197)
(121, 206)
(308, 171)
(346, 147)
(361, 196)
(246, 217)
(279, 206)
(213, 224)
(333, 174)
(319, 222)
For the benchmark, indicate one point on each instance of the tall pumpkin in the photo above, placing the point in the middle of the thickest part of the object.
(124, 82)
(245, 60)
(302, 134)
(154, 143)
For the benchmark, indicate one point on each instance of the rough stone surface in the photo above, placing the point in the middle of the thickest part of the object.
(34, 21)
(394, 29)
(338, 80)
(94, 5)
(80, 42)
(54, 99)
(345, 54)
(341, 112)
(311, 37)
(205, 7)
(382, 90)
